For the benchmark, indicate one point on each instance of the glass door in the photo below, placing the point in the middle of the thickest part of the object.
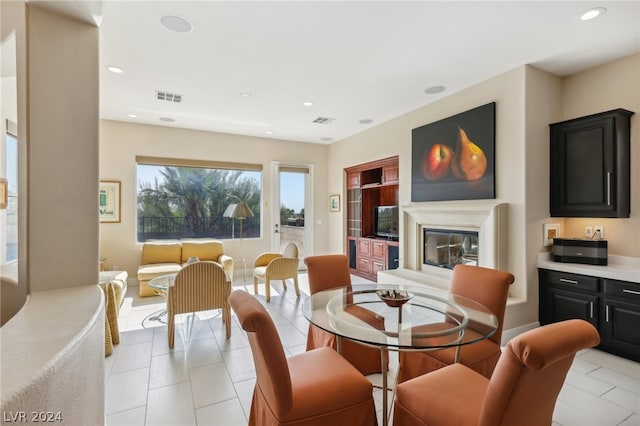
(292, 220)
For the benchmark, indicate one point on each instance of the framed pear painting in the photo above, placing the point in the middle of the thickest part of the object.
(454, 158)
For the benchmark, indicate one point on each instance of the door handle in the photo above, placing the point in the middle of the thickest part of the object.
(564, 280)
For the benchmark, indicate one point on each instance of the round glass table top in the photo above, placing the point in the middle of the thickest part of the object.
(400, 317)
(162, 282)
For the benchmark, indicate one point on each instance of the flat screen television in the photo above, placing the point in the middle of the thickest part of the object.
(386, 222)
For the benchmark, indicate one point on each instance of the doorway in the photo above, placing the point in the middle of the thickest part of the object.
(292, 211)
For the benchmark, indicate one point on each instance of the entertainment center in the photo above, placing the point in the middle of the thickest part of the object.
(372, 217)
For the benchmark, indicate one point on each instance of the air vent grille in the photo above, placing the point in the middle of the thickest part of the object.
(323, 120)
(168, 96)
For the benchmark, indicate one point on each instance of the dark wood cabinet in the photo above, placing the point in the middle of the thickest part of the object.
(620, 325)
(613, 307)
(590, 166)
(370, 185)
(353, 180)
(390, 174)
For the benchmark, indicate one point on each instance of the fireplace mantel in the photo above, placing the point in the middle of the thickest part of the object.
(487, 217)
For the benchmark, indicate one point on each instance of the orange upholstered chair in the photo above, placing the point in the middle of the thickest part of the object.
(522, 390)
(332, 271)
(199, 286)
(489, 287)
(313, 388)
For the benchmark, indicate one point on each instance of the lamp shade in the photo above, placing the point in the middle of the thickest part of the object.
(238, 211)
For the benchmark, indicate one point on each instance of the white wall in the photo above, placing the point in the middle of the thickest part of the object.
(13, 291)
(121, 142)
(542, 105)
(62, 140)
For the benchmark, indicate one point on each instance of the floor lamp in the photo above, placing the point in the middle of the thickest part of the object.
(240, 211)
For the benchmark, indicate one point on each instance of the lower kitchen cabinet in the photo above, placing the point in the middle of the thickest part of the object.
(612, 306)
(621, 325)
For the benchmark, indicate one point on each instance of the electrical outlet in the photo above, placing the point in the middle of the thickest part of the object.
(588, 231)
(598, 232)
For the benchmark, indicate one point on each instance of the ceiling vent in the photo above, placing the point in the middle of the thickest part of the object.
(323, 120)
(169, 97)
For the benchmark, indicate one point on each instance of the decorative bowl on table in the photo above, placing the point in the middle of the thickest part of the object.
(394, 298)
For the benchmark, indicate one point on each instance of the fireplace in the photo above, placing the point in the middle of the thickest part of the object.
(484, 222)
(447, 248)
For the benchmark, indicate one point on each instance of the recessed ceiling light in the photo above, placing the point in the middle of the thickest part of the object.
(133, 115)
(307, 103)
(245, 95)
(434, 90)
(176, 23)
(365, 121)
(167, 119)
(592, 13)
(269, 132)
(115, 70)
(326, 139)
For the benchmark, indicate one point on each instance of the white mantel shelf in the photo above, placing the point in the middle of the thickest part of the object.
(621, 268)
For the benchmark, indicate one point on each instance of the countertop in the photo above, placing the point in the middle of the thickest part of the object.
(622, 268)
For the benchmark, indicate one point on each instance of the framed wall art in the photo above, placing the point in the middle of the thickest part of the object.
(454, 158)
(109, 201)
(334, 203)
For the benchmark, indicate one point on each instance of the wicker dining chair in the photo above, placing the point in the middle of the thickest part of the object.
(277, 266)
(199, 286)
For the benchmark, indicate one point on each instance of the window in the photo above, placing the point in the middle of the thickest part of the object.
(188, 198)
(10, 216)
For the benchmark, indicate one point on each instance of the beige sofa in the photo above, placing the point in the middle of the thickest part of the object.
(167, 257)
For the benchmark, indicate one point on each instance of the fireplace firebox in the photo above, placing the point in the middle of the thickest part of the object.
(447, 248)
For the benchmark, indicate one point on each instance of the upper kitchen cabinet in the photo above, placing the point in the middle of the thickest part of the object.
(590, 166)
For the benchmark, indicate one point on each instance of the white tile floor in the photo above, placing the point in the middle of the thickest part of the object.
(208, 380)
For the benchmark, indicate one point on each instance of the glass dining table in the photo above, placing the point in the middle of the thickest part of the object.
(399, 318)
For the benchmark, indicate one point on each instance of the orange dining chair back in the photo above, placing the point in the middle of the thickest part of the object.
(199, 286)
(332, 271)
(522, 390)
(313, 388)
(489, 287)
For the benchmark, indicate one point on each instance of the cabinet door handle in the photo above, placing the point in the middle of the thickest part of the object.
(564, 280)
(606, 313)
(591, 309)
(608, 188)
(626, 290)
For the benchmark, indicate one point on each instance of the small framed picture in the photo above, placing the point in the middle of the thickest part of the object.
(334, 203)
(109, 201)
(551, 231)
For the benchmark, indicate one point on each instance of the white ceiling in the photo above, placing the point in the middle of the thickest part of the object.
(353, 60)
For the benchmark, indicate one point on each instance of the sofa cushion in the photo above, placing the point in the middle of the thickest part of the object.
(160, 253)
(203, 250)
(147, 272)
